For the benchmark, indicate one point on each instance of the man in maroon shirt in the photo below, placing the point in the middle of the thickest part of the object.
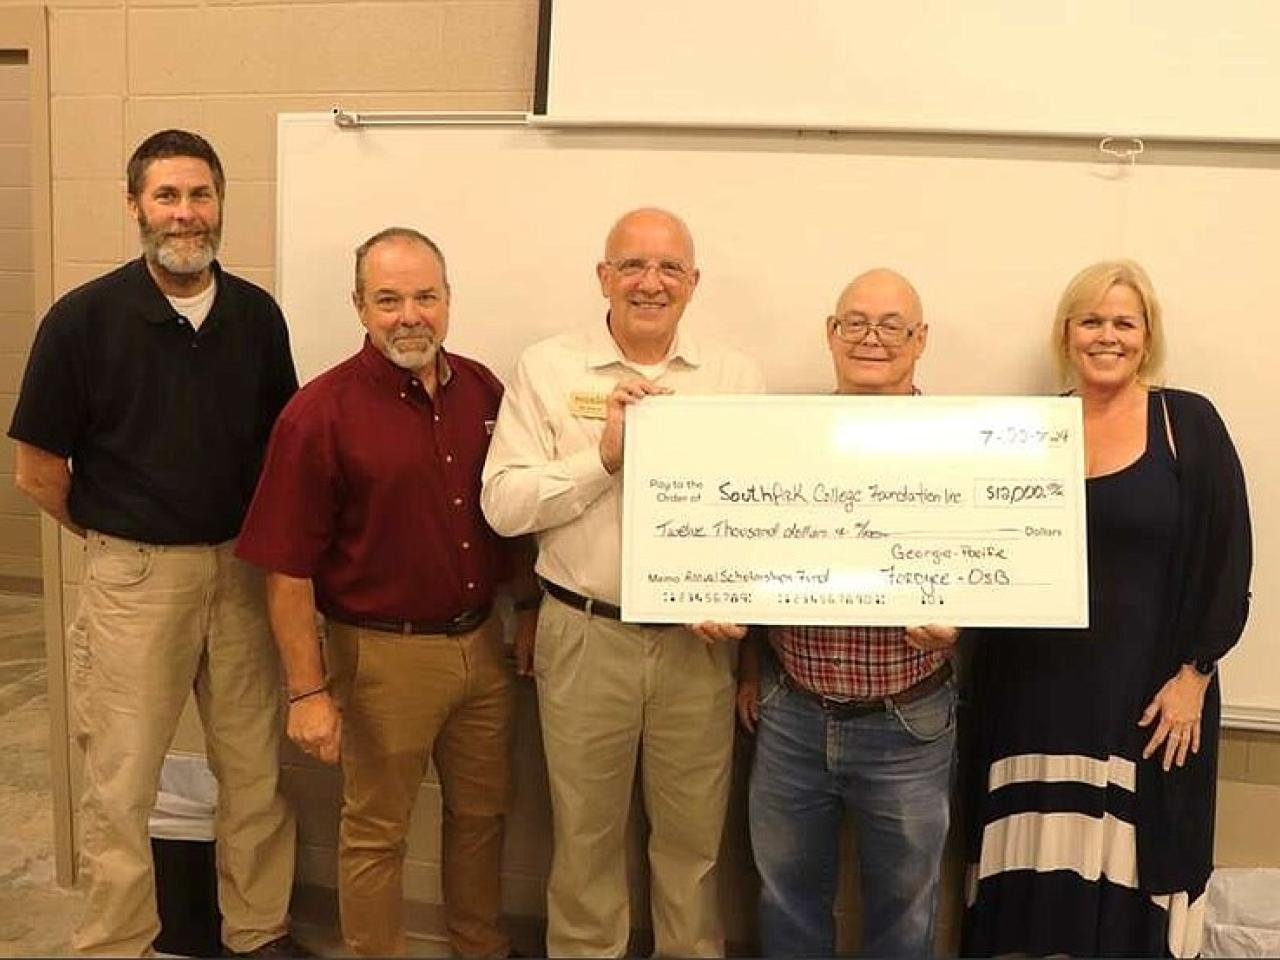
(368, 510)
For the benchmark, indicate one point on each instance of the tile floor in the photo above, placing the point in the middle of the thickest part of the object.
(37, 915)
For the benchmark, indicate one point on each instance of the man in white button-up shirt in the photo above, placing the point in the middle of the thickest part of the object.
(608, 690)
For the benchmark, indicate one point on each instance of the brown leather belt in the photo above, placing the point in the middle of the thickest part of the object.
(597, 608)
(464, 622)
(843, 709)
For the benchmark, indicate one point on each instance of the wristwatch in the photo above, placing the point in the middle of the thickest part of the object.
(1205, 668)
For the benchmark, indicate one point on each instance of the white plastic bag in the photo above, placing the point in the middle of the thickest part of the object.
(1242, 914)
(187, 799)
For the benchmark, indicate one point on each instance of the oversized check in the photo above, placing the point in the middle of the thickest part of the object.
(857, 510)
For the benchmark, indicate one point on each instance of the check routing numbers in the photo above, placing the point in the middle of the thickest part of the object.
(970, 513)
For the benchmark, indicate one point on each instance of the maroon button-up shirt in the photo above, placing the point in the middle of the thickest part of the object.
(371, 488)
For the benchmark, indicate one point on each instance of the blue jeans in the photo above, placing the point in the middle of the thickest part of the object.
(892, 772)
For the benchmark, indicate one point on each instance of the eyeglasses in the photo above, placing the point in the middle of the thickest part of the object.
(632, 268)
(892, 331)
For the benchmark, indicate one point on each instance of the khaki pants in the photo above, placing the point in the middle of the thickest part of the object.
(608, 691)
(154, 623)
(406, 698)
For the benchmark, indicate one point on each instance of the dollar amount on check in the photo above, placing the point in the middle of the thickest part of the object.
(858, 510)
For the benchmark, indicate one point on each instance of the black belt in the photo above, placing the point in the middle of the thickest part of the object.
(597, 607)
(843, 709)
(464, 622)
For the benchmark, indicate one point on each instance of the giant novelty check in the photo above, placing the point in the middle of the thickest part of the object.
(857, 510)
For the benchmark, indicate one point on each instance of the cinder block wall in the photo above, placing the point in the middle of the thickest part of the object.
(19, 520)
(122, 68)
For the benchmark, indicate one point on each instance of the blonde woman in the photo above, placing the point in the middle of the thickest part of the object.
(1095, 750)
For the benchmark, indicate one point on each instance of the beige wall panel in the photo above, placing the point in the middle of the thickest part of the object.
(15, 117)
(6, 449)
(1244, 838)
(265, 277)
(20, 535)
(7, 400)
(15, 165)
(16, 331)
(28, 568)
(15, 204)
(1264, 760)
(490, 46)
(1233, 755)
(15, 249)
(87, 51)
(16, 293)
(87, 221)
(11, 367)
(143, 116)
(69, 275)
(423, 879)
(243, 131)
(349, 46)
(249, 228)
(88, 137)
(76, 4)
(13, 500)
(14, 81)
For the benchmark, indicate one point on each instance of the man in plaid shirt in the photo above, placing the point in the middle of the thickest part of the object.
(853, 718)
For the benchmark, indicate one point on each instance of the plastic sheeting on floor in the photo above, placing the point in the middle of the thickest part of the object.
(1242, 917)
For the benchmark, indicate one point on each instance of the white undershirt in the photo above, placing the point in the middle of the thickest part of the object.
(196, 308)
(650, 371)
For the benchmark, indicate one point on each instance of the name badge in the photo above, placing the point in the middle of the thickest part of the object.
(488, 427)
(590, 406)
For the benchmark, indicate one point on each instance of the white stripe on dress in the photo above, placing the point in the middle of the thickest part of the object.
(1063, 768)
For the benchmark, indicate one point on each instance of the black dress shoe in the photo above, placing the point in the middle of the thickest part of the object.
(284, 946)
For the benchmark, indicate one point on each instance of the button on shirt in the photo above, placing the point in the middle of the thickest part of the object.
(544, 473)
(371, 488)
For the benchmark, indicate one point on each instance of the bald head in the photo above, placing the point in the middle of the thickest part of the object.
(647, 275)
(877, 302)
(883, 286)
(650, 221)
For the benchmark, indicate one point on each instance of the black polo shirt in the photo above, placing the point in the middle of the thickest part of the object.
(165, 426)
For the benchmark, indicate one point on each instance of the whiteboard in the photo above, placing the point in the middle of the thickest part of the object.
(781, 223)
(880, 511)
(1178, 69)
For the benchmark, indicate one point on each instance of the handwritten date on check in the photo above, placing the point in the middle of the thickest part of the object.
(858, 510)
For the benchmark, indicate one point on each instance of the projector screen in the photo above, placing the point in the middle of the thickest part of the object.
(1172, 69)
(781, 223)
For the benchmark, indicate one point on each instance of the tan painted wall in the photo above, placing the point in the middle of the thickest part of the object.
(19, 520)
(122, 68)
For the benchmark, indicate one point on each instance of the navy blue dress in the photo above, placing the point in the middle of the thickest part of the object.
(1051, 801)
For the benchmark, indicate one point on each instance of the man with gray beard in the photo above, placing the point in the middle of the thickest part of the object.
(369, 512)
(146, 406)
